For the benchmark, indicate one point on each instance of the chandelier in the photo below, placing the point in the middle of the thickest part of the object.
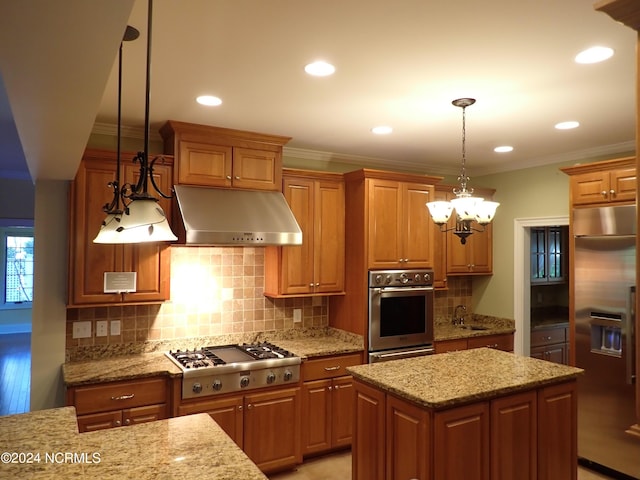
(468, 208)
(141, 218)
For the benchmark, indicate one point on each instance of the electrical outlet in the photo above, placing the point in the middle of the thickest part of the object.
(297, 315)
(115, 327)
(101, 328)
(82, 329)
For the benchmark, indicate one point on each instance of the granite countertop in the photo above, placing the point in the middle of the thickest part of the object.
(492, 326)
(49, 439)
(449, 379)
(306, 343)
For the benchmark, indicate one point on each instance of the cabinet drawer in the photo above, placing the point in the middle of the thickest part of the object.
(444, 346)
(548, 336)
(119, 395)
(500, 342)
(329, 367)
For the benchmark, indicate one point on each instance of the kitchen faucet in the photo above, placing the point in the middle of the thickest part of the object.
(458, 319)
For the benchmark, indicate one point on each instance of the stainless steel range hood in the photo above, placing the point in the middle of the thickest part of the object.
(217, 216)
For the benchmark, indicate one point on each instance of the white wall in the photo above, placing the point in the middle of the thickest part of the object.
(49, 298)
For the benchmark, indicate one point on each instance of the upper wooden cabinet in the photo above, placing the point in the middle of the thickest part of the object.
(316, 266)
(399, 230)
(476, 256)
(549, 254)
(87, 260)
(221, 157)
(602, 183)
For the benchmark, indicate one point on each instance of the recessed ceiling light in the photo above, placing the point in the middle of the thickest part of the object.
(382, 130)
(320, 69)
(503, 149)
(208, 100)
(594, 55)
(567, 125)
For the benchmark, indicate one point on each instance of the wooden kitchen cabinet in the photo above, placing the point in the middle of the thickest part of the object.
(476, 256)
(87, 260)
(221, 157)
(549, 254)
(461, 446)
(317, 266)
(603, 183)
(327, 403)
(503, 341)
(369, 447)
(399, 230)
(115, 404)
(265, 424)
(550, 343)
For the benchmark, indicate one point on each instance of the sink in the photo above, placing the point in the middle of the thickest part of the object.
(474, 327)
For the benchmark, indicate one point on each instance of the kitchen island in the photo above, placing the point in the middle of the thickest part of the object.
(473, 414)
(46, 444)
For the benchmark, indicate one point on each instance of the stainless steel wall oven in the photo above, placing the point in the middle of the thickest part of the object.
(400, 313)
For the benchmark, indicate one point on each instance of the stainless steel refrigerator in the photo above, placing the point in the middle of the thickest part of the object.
(605, 256)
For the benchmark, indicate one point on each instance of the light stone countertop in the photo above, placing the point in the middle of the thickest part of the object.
(445, 330)
(165, 449)
(450, 379)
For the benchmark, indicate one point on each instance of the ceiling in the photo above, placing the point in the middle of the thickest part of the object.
(397, 63)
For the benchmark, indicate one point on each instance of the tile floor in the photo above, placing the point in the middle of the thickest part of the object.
(338, 467)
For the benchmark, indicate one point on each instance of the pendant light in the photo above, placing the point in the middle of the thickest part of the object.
(468, 208)
(142, 218)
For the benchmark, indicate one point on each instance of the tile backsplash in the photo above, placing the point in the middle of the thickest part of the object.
(219, 291)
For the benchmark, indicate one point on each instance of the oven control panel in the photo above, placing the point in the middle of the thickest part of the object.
(214, 384)
(395, 278)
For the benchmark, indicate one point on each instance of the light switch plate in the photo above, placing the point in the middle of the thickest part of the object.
(115, 327)
(101, 328)
(82, 329)
(297, 315)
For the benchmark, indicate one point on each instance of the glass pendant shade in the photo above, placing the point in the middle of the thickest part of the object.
(466, 207)
(440, 211)
(108, 230)
(485, 212)
(144, 221)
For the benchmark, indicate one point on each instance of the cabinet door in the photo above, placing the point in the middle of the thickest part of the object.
(297, 261)
(204, 164)
(148, 413)
(151, 261)
(256, 169)
(557, 432)
(444, 346)
(316, 415)
(514, 437)
(384, 225)
(623, 184)
(499, 342)
(87, 260)
(589, 188)
(369, 434)
(461, 443)
(417, 250)
(227, 412)
(342, 412)
(99, 421)
(474, 257)
(329, 234)
(408, 441)
(272, 433)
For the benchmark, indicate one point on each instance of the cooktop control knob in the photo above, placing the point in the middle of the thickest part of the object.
(244, 382)
(288, 375)
(417, 278)
(427, 277)
(378, 279)
(217, 385)
(387, 279)
(197, 388)
(404, 278)
(271, 377)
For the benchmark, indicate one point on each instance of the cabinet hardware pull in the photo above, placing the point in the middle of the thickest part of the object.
(124, 397)
(237, 177)
(329, 388)
(228, 177)
(239, 407)
(612, 191)
(548, 338)
(495, 345)
(117, 423)
(603, 193)
(127, 421)
(331, 369)
(249, 407)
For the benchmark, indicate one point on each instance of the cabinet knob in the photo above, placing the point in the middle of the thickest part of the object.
(228, 177)
(612, 191)
(239, 407)
(336, 387)
(117, 423)
(329, 388)
(249, 406)
(237, 177)
(127, 421)
(311, 284)
(603, 193)
(318, 284)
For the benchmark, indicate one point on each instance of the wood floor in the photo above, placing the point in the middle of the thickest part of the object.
(15, 373)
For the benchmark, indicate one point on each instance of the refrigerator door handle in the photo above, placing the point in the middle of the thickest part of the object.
(630, 334)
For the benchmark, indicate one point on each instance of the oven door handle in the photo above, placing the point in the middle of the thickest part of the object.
(380, 291)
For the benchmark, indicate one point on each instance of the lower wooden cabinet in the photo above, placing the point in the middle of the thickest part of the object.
(327, 403)
(266, 424)
(550, 343)
(115, 404)
(526, 436)
(500, 342)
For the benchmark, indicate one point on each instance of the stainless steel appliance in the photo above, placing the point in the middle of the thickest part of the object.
(605, 257)
(230, 368)
(400, 314)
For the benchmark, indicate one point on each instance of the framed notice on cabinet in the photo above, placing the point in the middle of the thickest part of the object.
(119, 282)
